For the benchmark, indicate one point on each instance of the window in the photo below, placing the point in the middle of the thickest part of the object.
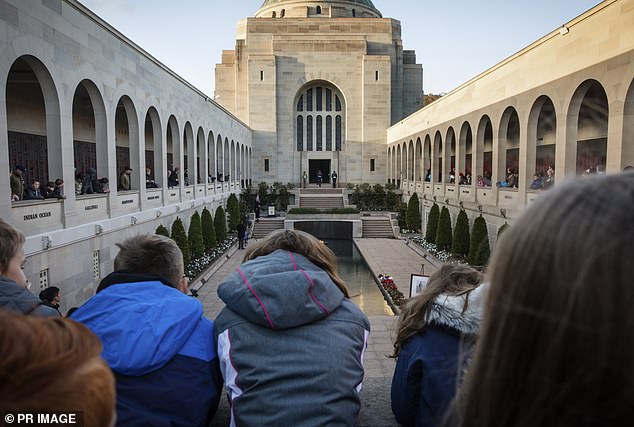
(337, 104)
(338, 133)
(300, 133)
(309, 133)
(96, 268)
(266, 165)
(328, 133)
(316, 127)
(261, 75)
(371, 165)
(300, 103)
(376, 75)
(328, 100)
(318, 134)
(43, 279)
(318, 10)
(318, 92)
(309, 100)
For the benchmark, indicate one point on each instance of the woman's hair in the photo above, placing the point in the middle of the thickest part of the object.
(49, 294)
(54, 364)
(301, 243)
(557, 339)
(11, 240)
(449, 279)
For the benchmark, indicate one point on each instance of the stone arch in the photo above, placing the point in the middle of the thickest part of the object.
(90, 133)
(154, 147)
(226, 160)
(587, 129)
(220, 159)
(127, 141)
(232, 168)
(450, 156)
(419, 158)
(410, 161)
(541, 137)
(173, 150)
(399, 165)
(427, 158)
(508, 147)
(201, 156)
(189, 155)
(437, 161)
(211, 157)
(484, 149)
(465, 151)
(33, 120)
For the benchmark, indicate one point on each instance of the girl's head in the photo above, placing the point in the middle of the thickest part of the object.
(52, 364)
(12, 254)
(301, 243)
(449, 280)
(556, 346)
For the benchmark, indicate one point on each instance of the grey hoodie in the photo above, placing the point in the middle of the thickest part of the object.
(290, 345)
(17, 298)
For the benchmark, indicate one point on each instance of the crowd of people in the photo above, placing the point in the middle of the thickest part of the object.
(542, 338)
(19, 191)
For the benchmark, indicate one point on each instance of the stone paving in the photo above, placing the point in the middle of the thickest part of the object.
(387, 256)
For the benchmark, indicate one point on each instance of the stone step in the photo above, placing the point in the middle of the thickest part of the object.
(266, 226)
(377, 228)
(323, 190)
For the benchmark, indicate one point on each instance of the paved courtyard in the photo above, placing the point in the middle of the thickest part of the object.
(387, 256)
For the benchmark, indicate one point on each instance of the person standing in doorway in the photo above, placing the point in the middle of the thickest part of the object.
(334, 179)
(17, 183)
(320, 177)
(305, 178)
(124, 179)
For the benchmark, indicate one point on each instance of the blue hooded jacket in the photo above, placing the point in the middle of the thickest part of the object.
(159, 346)
(430, 364)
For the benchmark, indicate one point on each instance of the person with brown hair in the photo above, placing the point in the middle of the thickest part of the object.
(54, 365)
(290, 341)
(14, 287)
(556, 344)
(156, 339)
(436, 331)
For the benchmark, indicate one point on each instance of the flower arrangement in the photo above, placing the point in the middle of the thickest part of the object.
(407, 231)
(390, 287)
(198, 265)
(441, 255)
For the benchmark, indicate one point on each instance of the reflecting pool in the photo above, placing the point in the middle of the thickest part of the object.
(363, 290)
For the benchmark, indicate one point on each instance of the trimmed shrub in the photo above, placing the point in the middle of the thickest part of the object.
(402, 215)
(443, 234)
(502, 229)
(432, 224)
(460, 244)
(195, 236)
(413, 213)
(479, 233)
(233, 209)
(179, 236)
(209, 233)
(220, 225)
(483, 253)
(162, 231)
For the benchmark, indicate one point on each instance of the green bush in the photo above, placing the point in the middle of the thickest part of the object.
(195, 236)
(233, 208)
(460, 244)
(483, 253)
(502, 229)
(378, 197)
(162, 231)
(432, 224)
(220, 225)
(179, 236)
(413, 213)
(479, 234)
(443, 234)
(402, 215)
(209, 233)
(263, 191)
(392, 200)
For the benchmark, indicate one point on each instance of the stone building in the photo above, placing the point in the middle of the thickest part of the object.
(319, 83)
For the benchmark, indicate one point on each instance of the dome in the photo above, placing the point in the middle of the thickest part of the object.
(358, 8)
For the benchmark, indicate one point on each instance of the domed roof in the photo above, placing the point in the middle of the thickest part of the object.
(363, 3)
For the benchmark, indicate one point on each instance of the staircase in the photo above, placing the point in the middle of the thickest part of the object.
(265, 226)
(321, 198)
(377, 227)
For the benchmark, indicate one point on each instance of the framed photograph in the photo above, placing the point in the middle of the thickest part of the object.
(416, 284)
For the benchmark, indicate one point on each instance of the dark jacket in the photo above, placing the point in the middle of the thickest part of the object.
(17, 185)
(17, 298)
(430, 364)
(290, 345)
(89, 178)
(32, 194)
(159, 346)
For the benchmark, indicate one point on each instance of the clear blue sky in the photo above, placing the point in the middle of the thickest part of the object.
(454, 39)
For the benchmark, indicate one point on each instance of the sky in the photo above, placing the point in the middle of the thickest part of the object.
(455, 40)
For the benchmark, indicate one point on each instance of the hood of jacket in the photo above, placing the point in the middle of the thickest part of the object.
(142, 324)
(281, 290)
(16, 298)
(449, 311)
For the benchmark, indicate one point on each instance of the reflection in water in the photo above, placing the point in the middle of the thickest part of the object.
(363, 290)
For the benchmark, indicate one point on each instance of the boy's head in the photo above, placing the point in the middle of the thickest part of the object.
(152, 254)
(12, 254)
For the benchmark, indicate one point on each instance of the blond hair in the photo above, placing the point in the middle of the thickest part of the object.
(151, 254)
(11, 240)
(301, 243)
(54, 364)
